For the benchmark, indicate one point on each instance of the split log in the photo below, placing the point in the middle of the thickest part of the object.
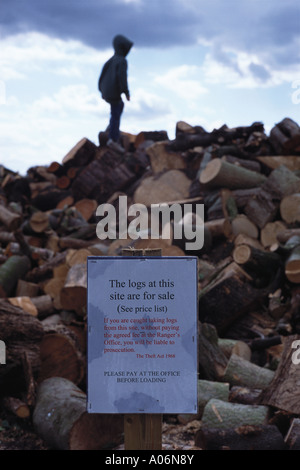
(232, 289)
(219, 173)
(240, 371)
(73, 294)
(10, 219)
(282, 391)
(219, 414)
(81, 154)
(290, 208)
(268, 234)
(161, 159)
(171, 185)
(61, 420)
(11, 271)
(243, 437)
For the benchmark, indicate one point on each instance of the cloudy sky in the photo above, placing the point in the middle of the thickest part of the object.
(207, 62)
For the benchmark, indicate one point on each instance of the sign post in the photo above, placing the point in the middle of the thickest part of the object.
(142, 341)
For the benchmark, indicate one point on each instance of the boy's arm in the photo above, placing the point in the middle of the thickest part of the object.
(123, 83)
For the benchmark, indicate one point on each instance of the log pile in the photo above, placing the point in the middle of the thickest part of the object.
(249, 275)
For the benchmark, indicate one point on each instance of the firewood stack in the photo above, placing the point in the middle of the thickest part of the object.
(249, 276)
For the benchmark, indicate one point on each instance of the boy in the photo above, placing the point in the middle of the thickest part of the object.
(112, 83)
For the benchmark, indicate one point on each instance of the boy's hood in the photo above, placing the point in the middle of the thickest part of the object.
(122, 45)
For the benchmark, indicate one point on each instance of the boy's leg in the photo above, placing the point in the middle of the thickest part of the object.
(116, 110)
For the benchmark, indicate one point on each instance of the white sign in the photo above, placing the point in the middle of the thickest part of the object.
(142, 335)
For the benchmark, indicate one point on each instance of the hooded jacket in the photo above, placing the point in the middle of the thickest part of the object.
(113, 78)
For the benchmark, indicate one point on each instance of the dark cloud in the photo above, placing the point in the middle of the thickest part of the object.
(256, 26)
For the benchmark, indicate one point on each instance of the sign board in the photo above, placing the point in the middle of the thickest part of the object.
(142, 335)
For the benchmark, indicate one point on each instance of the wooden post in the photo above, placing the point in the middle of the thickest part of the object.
(142, 431)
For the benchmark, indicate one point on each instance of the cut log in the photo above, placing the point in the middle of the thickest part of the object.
(11, 271)
(281, 182)
(244, 395)
(25, 304)
(282, 391)
(241, 224)
(285, 136)
(240, 371)
(249, 164)
(28, 289)
(219, 414)
(291, 162)
(284, 235)
(292, 264)
(10, 219)
(206, 390)
(86, 207)
(17, 407)
(243, 437)
(102, 177)
(212, 360)
(233, 346)
(268, 234)
(61, 420)
(39, 222)
(243, 239)
(255, 261)
(73, 293)
(290, 208)
(61, 355)
(44, 305)
(219, 173)
(261, 209)
(172, 185)
(292, 438)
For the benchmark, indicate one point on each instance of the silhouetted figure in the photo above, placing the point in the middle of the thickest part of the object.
(112, 84)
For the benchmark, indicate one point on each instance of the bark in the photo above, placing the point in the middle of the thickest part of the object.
(219, 414)
(61, 419)
(219, 173)
(281, 391)
(244, 437)
(242, 372)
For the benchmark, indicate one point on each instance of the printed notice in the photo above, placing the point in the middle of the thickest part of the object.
(142, 335)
